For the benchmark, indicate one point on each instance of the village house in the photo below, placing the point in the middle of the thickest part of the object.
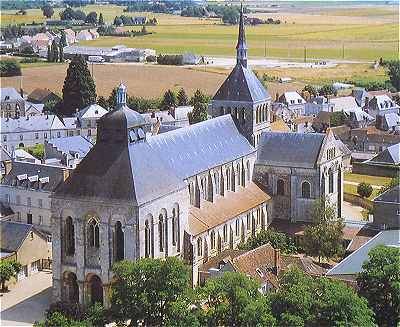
(387, 209)
(381, 105)
(12, 103)
(26, 189)
(25, 245)
(41, 96)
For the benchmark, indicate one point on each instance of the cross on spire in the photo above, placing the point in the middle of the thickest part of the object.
(241, 47)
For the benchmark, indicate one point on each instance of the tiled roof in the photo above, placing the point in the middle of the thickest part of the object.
(344, 103)
(13, 234)
(225, 208)
(301, 149)
(39, 95)
(301, 262)
(242, 85)
(92, 111)
(72, 145)
(30, 124)
(390, 155)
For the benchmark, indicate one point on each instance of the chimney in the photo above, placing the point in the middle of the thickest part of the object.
(65, 173)
(277, 261)
(7, 166)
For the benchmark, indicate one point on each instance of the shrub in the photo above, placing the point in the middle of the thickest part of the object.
(170, 59)
(10, 68)
(364, 190)
(151, 58)
(30, 60)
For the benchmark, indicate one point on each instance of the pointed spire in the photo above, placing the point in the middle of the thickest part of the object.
(121, 96)
(241, 47)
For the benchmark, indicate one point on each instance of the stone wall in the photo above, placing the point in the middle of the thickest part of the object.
(375, 170)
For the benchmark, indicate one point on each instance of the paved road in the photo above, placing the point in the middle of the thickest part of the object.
(27, 301)
(351, 212)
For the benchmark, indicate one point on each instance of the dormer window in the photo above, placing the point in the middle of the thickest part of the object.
(141, 134)
(132, 136)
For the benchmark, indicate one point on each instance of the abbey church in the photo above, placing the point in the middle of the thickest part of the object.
(192, 192)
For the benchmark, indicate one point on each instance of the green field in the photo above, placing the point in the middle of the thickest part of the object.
(373, 180)
(365, 35)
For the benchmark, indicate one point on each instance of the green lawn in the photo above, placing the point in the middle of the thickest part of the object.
(373, 180)
(352, 189)
(363, 40)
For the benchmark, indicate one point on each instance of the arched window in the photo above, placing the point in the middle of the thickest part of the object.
(199, 247)
(217, 182)
(161, 232)
(330, 172)
(305, 190)
(175, 226)
(248, 170)
(93, 233)
(119, 242)
(237, 227)
(228, 179)
(280, 187)
(69, 237)
(243, 117)
(212, 237)
(146, 239)
(238, 174)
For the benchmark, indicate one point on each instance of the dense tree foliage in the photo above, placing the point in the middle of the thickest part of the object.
(379, 283)
(231, 16)
(304, 301)
(199, 101)
(8, 269)
(182, 98)
(169, 100)
(36, 150)
(393, 182)
(101, 20)
(327, 90)
(276, 239)
(79, 89)
(70, 14)
(10, 68)
(393, 70)
(311, 90)
(152, 291)
(337, 118)
(233, 299)
(324, 238)
(364, 190)
(91, 18)
(47, 10)
(170, 59)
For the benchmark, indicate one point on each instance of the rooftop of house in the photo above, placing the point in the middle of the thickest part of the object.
(212, 214)
(301, 149)
(40, 95)
(352, 264)
(91, 111)
(344, 103)
(10, 94)
(391, 195)
(72, 145)
(31, 123)
(391, 156)
(384, 102)
(242, 85)
(35, 176)
(13, 235)
(293, 96)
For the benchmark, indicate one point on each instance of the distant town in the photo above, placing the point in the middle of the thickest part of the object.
(196, 163)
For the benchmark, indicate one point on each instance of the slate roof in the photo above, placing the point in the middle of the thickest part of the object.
(344, 103)
(9, 92)
(242, 85)
(72, 145)
(391, 120)
(390, 155)
(34, 106)
(13, 235)
(92, 111)
(391, 195)
(384, 102)
(199, 147)
(4, 154)
(360, 94)
(352, 264)
(300, 149)
(40, 95)
(358, 114)
(51, 175)
(292, 95)
(34, 123)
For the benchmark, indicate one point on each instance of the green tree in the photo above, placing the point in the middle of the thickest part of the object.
(327, 90)
(198, 114)
(57, 319)
(169, 99)
(36, 150)
(149, 291)
(79, 89)
(302, 300)
(91, 18)
(379, 283)
(8, 269)
(10, 68)
(54, 51)
(112, 99)
(102, 102)
(48, 11)
(364, 190)
(101, 19)
(337, 118)
(310, 89)
(233, 299)
(182, 98)
(276, 239)
(393, 70)
(324, 238)
(199, 97)
(63, 40)
(230, 16)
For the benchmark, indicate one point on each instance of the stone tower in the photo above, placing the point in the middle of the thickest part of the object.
(243, 96)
